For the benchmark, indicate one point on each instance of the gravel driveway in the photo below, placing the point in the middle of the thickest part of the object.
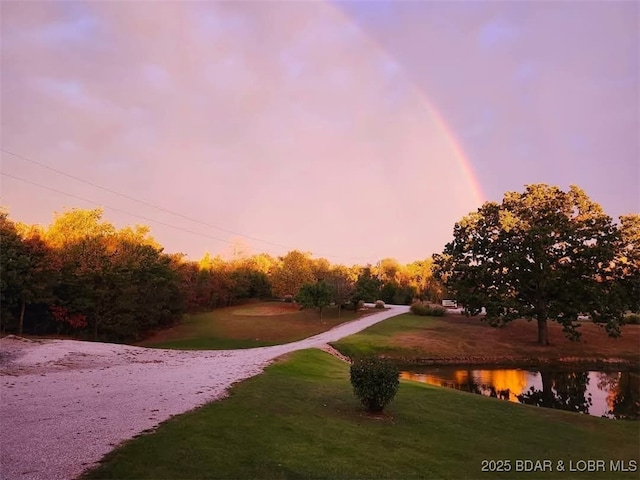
(64, 404)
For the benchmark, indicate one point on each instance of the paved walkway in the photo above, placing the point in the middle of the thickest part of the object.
(64, 404)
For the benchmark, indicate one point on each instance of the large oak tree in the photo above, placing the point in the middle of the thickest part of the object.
(543, 254)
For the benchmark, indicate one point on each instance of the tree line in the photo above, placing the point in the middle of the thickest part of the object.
(84, 277)
(542, 254)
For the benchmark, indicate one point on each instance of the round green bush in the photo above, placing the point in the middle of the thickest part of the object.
(375, 382)
(379, 304)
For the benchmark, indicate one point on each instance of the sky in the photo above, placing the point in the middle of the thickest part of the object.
(355, 131)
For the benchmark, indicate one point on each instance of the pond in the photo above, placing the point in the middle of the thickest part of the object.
(602, 394)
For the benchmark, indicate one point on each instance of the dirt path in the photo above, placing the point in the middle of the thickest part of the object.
(64, 404)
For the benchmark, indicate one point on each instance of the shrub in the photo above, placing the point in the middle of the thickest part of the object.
(379, 304)
(359, 305)
(375, 382)
(427, 310)
(632, 319)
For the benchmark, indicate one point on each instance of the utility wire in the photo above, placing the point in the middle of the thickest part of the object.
(177, 214)
(117, 209)
(135, 199)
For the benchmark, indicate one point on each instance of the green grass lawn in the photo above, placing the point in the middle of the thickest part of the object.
(247, 326)
(457, 339)
(300, 420)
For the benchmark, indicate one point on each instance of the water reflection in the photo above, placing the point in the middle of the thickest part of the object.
(606, 394)
(561, 390)
(623, 401)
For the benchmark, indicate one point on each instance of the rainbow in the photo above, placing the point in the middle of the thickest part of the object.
(445, 130)
(459, 153)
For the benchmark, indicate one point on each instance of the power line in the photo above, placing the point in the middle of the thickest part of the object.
(117, 209)
(127, 212)
(143, 202)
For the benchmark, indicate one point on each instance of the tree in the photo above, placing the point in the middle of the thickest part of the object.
(367, 287)
(542, 254)
(421, 278)
(15, 266)
(320, 267)
(342, 286)
(261, 262)
(295, 270)
(389, 270)
(315, 295)
(388, 292)
(39, 279)
(118, 282)
(76, 224)
(628, 261)
(249, 283)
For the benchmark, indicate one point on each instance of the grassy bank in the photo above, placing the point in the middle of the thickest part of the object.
(247, 326)
(300, 420)
(456, 339)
